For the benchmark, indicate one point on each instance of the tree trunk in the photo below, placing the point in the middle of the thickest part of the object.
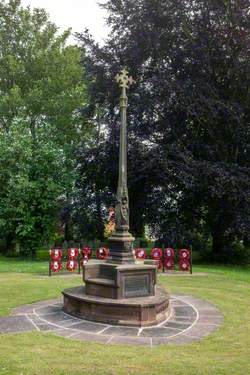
(99, 223)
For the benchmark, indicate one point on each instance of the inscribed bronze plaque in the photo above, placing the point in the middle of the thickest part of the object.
(136, 286)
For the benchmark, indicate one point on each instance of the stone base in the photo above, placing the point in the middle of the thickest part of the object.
(107, 280)
(120, 247)
(140, 311)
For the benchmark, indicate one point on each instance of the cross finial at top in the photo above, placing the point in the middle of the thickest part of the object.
(123, 79)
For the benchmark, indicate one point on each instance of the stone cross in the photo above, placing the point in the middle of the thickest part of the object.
(122, 199)
(124, 80)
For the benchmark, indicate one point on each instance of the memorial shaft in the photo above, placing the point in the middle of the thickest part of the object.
(121, 240)
(123, 141)
(119, 290)
(122, 200)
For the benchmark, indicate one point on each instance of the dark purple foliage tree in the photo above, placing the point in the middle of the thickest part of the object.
(189, 115)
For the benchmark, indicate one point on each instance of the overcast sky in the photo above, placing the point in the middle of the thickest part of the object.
(78, 14)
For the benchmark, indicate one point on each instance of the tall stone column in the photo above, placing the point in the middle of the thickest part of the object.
(120, 243)
(120, 290)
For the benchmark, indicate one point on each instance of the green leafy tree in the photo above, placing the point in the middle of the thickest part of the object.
(41, 91)
(29, 206)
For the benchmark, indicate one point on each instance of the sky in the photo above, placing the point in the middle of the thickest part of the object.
(77, 14)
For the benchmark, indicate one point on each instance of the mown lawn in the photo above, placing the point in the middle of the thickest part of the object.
(227, 351)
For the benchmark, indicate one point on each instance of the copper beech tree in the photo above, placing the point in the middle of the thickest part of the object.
(189, 117)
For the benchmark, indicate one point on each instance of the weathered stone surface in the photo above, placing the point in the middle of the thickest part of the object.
(65, 333)
(177, 340)
(47, 327)
(68, 323)
(88, 326)
(16, 324)
(140, 311)
(56, 317)
(28, 309)
(178, 325)
(185, 318)
(214, 319)
(119, 281)
(176, 330)
(159, 332)
(125, 340)
(84, 336)
(49, 310)
(184, 310)
(121, 331)
(200, 330)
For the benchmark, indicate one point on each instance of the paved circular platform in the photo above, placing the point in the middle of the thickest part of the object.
(191, 319)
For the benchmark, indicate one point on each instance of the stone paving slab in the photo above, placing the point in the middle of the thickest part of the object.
(121, 331)
(177, 324)
(159, 332)
(131, 340)
(28, 309)
(56, 317)
(177, 340)
(68, 323)
(209, 312)
(84, 336)
(15, 324)
(200, 331)
(190, 320)
(201, 304)
(90, 327)
(218, 319)
(65, 332)
(184, 311)
(185, 319)
(49, 310)
(47, 327)
(178, 304)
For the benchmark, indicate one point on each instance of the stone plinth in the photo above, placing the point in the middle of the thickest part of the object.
(139, 311)
(123, 294)
(120, 246)
(119, 281)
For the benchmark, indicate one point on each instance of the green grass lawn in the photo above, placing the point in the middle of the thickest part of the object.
(8, 265)
(227, 351)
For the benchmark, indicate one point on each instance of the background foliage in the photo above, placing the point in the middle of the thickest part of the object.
(188, 117)
(41, 91)
(188, 131)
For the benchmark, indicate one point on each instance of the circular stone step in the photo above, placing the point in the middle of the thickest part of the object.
(140, 311)
(190, 320)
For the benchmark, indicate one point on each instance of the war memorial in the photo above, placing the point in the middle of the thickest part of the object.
(119, 301)
(119, 291)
